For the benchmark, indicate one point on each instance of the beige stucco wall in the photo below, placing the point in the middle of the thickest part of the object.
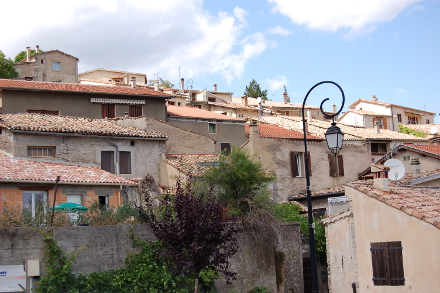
(426, 163)
(341, 256)
(145, 154)
(75, 104)
(180, 141)
(375, 221)
(275, 155)
(106, 76)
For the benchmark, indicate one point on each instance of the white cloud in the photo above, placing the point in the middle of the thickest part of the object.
(402, 91)
(277, 83)
(357, 17)
(278, 30)
(135, 35)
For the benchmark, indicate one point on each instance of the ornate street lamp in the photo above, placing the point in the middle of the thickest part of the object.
(334, 138)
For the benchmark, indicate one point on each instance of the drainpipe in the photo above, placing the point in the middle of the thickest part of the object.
(392, 118)
(117, 156)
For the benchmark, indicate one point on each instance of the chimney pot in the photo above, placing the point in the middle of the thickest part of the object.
(156, 85)
(37, 49)
(374, 98)
(215, 87)
(28, 54)
(182, 84)
(285, 97)
(133, 82)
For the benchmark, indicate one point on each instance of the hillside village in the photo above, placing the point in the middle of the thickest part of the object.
(104, 130)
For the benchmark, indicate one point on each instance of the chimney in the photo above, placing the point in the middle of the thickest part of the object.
(215, 87)
(245, 100)
(374, 98)
(306, 126)
(309, 115)
(415, 163)
(133, 82)
(334, 108)
(37, 49)
(28, 54)
(377, 127)
(126, 114)
(380, 175)
(182, 84)
(285, 97)
(254, 136)
(156, 85)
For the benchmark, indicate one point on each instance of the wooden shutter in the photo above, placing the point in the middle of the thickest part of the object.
(332, 165)
(125, 162)
(107, 162)
(135, 110)
(293, 164)
(385, 124)
(309, 164)
(108, 110)
(340, 165)
(387, 263)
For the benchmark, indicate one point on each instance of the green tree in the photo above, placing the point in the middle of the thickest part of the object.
(22, 55)
(254, 91)
(162, 83)
(239, 180)
(7, 69)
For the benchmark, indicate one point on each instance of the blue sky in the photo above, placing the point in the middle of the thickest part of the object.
(387, 48)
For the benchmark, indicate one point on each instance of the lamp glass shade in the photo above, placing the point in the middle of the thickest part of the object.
(334, 138)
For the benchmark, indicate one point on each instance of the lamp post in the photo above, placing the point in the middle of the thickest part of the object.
(334, 138)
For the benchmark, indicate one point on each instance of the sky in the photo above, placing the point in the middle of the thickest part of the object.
(386, 48)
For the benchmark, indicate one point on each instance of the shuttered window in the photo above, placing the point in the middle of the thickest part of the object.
(387, 262)
(297, 164)
(135, 110)
(125, 162)
(336, 165)
(108, 110)
(107, 161)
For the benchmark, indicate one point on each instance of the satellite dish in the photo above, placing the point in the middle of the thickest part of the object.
(433, 130)
(397, 169)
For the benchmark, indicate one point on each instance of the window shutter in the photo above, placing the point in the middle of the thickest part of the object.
(332, 165)
(309, 163)
(340, 165)
(379, 262)
(124, 162)
(293, 164)
(135, 111)
(107, 161)
(385, 125)
(108, 110)
(396, 264)
(387, 263)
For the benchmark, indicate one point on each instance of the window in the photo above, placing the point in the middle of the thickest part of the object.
(212, 128)
(171, 103)
(336, 165)
(40, 151)
(47, 112)
(379, 148)
(297, 164)
(108, 110)
(34, 201)
(125, 162)
(225, 147)
(427, 121)
(413, 120)
(399, 117)
(381, 121)
(387, 263)
(103, 202)
(407, 158)
(107, 161)
(135, 110)
(56, 66)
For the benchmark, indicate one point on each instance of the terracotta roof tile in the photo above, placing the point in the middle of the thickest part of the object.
(275, 131)
(73, 87)
(435, 149)
(17, 170)
(196, 164)
(194, 112)
(422, 203)
(352, 106)
(72, 125)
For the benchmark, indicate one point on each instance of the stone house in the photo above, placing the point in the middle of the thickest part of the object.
(127, 152)
(28, 184)
(91, 101)
(103, 76)
(282, 152)
(369, 113)
(226, 130)
(387, 241)
(50, 66)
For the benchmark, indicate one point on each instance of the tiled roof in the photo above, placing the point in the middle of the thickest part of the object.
(386, 105)
(271, 104)
(318, 128)
(425, 128)
(15, 170)
(422, 203)
(72, 125)
(275, 131)
(434, 149)
(196, 164)
(73, 87)
(193, 112)
(366, 113)
(46, 52)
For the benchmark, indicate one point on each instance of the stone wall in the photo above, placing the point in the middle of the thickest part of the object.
(105, 248)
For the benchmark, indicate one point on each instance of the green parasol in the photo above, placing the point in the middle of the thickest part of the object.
(69, 207)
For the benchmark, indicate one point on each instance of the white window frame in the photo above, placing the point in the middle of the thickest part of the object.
(33, 204)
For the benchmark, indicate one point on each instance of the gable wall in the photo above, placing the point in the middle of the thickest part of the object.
(374, 108)
(375, 221)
